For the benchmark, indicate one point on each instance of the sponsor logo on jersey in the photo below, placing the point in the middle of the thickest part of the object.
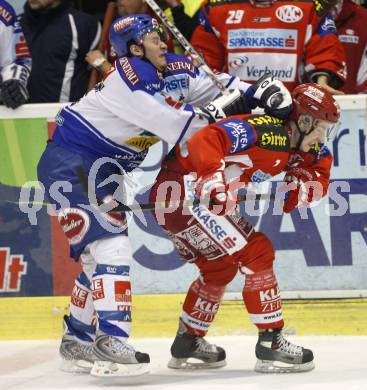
(281, 65)
(216, 227)
(270, 301)
(79, 296)
(5, 15)
(273, 139)
(21, 47)
(198, 239)
(97, 289)
(240, 133)
(274, 38)
(270, 295)
(173, 103)
(142, 143)
(12, 268)
(128, 70)
(260, 176)
(75, 224)
(349, 39)
(184, 252)
(180, 65)
(204, 310)
(123, 291)
(262, 20)
(172, 85)
(327, 26)
(289, 13)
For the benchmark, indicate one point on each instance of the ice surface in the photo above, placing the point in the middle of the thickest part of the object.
(340, 364)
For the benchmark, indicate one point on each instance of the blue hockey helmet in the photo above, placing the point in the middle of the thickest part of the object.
(131, 29)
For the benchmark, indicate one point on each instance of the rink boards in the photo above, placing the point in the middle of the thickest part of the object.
(157, 315)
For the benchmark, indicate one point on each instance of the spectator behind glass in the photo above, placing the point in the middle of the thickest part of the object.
(185, 15)
(285, 38)
(15, 60)
(351, 20)
(59, 37)
(102, 61)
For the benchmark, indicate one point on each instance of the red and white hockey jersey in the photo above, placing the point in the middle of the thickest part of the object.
(352, 32)
(254, 148)
(287, 39)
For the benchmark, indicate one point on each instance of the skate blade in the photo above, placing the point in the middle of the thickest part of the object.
(112, 369)
(76, 366)
(277, 367)
(195, 364)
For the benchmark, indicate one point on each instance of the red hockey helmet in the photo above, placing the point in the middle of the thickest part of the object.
(312, 103)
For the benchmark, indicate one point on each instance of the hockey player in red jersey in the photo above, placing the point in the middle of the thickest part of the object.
(249, 38)
(224, 156)
(350, 19)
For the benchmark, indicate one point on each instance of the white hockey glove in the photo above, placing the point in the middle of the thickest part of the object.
(225, 105)
(271, 95)
(212, 187)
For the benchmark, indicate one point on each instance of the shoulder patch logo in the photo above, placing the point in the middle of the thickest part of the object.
(289, 13)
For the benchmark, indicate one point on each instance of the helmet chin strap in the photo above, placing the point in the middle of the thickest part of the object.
(301, 136)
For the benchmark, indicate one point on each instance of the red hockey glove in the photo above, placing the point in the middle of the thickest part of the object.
(304, 188)
(212, 187)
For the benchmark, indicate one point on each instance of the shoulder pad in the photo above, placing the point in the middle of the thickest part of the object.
(139, 75)
(241, 134)
(271, 132)
(326, 26)
(7, 13)
(178, 63)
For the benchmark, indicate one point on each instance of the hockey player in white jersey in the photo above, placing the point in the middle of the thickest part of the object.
(148, 96)
(15, 59)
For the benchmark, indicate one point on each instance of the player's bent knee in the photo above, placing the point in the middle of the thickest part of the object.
(218, 273)
(258, 255)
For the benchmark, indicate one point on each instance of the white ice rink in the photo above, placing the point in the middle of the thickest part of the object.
(341, 364)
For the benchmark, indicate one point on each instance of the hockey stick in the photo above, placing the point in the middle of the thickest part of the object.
(187, 45)
(107, 21)
(158, 205)
(164, 204)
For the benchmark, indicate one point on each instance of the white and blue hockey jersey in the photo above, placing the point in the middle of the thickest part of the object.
(15, 59)
(135, 107)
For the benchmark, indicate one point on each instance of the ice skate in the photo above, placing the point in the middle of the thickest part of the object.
(77, 357)
(115, 358)
(277, 355)
(201, 353)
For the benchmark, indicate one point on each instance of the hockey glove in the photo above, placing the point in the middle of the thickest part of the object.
(304, 188)
(212, 188)
(225, 105)
(271, 95)
(13, 93)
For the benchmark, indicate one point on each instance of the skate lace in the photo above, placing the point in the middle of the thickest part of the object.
(204, 346)
(286, 346)
(121, 348)
(77, 350)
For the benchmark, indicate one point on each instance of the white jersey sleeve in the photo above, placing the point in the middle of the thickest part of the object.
(185, 82)
(155, 112)
(15, 59)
